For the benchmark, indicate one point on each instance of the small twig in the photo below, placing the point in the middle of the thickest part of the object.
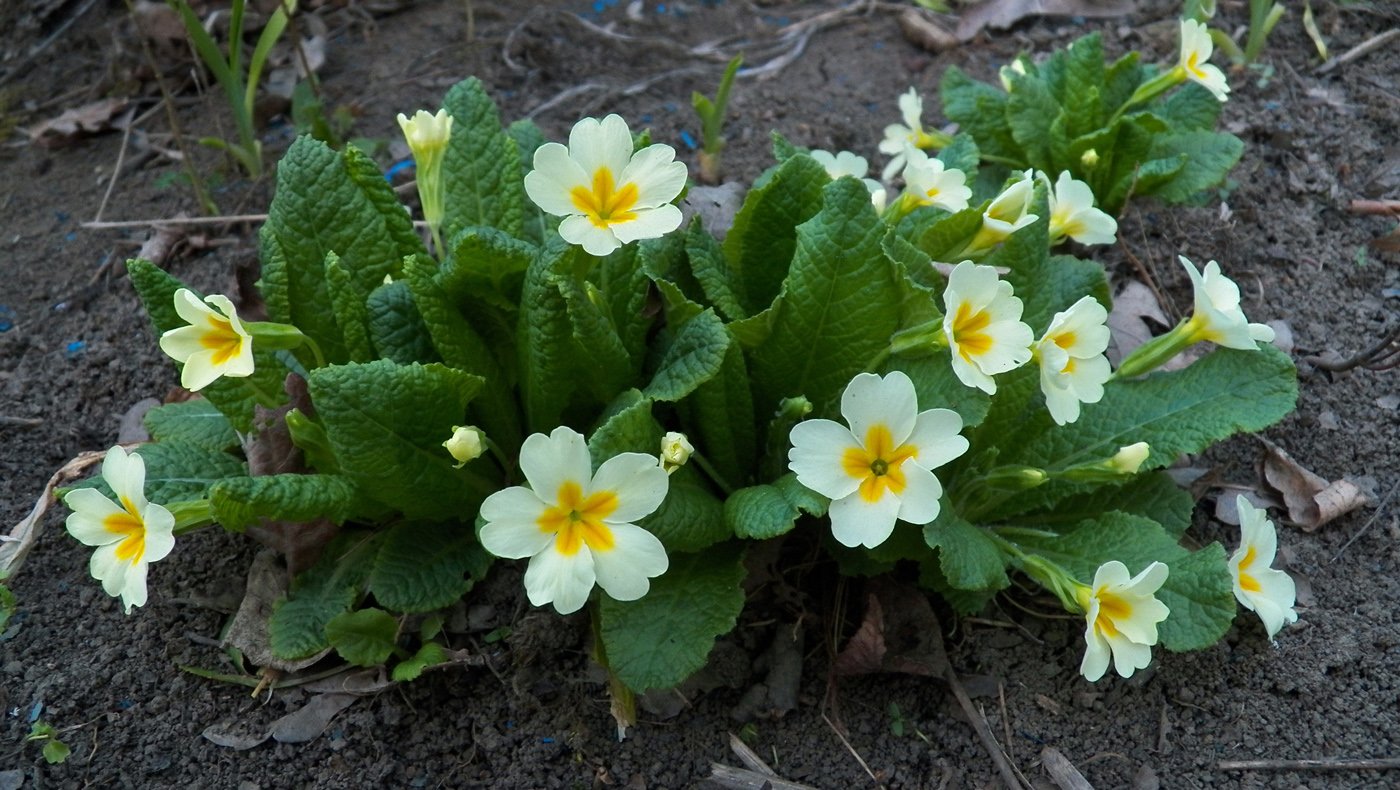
(1381, 356)
(127, 123)
(156, 223)
(852, 750)
(1323, 764)
(984, 731)
(21, 422)
(1375, 515)
(1062, 771)
(744, 779)
(749, 757)
(1373, 43)
(1383, 207)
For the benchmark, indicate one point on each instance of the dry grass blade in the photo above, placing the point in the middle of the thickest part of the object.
(1062, 771)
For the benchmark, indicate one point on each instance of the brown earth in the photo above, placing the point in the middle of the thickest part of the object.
(79, 353)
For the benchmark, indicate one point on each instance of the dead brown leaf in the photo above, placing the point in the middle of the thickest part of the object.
(918, 27)
(900, 633)
(1002, 14)
(1311, 501)
(90, 118)
(308, 722)
(267, 583)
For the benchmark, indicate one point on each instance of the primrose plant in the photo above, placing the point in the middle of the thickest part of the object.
(573, 379)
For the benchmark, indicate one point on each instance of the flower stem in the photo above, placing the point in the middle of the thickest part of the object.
(712, 473)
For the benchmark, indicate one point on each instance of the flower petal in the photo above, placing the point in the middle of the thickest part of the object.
(512, 526)
(659, 178)
(918, 502)
(606, 143)
(818, 447)
(870, 400)
(90, 510)
(550, 461)
(937, 435)
(107, 568)
(133, 590)
(856, 522)
(625, 570)
(563, 580)
(160, 533)
(594, 240)
(1096, 651)
(554, 177)
(1129, 656)
(650, 223)
(638, 481)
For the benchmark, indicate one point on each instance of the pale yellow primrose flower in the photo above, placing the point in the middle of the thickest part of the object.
(1129, 458)
(1015, 67)
(1008, 212)
(1122, 616)
(1268, 592)
(427, 137)
(1073, 367)
(928, 183)
(214, 344)
(899, 136)
(676, 449)
(467, 443)
(128, 536)
(1072, 212)
(982, 324)
(576, 526)
(1196, 49)
(607, 195)
(878, 470)
(1218, 317)
(845, 163)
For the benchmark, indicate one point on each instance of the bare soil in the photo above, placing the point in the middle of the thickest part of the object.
(79, 353)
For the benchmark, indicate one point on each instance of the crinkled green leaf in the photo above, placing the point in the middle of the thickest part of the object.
(1190, 107)
(348, 306)
(241, 501)
(548, 365)
(720, 416)
(395, 327)
(1030, 110)
(429, 654)
(961, 154)
(195, 422)
(626, 427)
(1122, 78)
(486, 264)
(297, 628)
(980, 111)
(422, 566)
(178, 471)
(691, 518)
(481, 167)
(764, 234)
(329, 202)
(967, 556)
(693, 357)
(938, 387)
(838, 311)
(711, 270)
(1208, 157)
(949, 234)
(1198, 590)
(1152, 495)
(387, 423)
(648, 645)
(623, 287)
(769, 510)
(365, 638)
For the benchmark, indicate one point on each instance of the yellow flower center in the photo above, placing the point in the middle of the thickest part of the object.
(1111, 609)
(577, 519)
(1247, 580)
(129, 525)
(1193, 65)
(220, 338)
(969, 333)
(605, 204)
(879, 465)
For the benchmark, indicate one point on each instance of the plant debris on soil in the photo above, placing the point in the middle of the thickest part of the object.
(519, 707)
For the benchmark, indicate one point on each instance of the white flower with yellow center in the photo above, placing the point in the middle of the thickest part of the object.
(928, 183)
(1008, 212)
(214, 344)
(983, 326)
(845, 163)
(576, 526)
(899, 137)
(1122, 615)
(1073, 367)
(1072, 213)
(1217, 316)
(129, 534)
(1268, 592)
(878, 470)
(607, 195)
(1196, 49)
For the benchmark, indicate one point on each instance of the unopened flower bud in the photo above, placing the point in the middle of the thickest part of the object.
(1129, 459)
(468, 442)
(1089, 159)
(675, 451)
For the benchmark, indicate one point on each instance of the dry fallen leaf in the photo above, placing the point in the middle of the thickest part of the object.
(1002, 14)
(918, 27)
(900, 633)
(1311, 501)
(267, 584)
(312, 719)
(88, 119)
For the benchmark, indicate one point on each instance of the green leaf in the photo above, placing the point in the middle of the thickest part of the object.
(947, 236)
(691, 518)
(712, 272)
(980, 110)
(1191, 107)
(648, 646)
(548, 366)
(387, 423)
(694, 357)
(783, 149)
(429, 654)
(1208, 157)
(481, 167)
(395, 327)
(329, 202)
(961, 154)
(177, 471)
(423, 566)
(767, 511)
(1198, 590)
(528, 138)
(195, 422)
(764, 235)
(55, 751)
(241, 501)
(1121, 79)
(627, 427)
(488, 264)
(365, 638)
(1030, 111)
(720, 417)
(838, 311)
(964, 602)
(938, 387)
(597, 348)
(297, 628)
(1152, 495)
(967, 556)
(348, 305)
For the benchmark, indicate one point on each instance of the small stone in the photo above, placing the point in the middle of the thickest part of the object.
(13, 668)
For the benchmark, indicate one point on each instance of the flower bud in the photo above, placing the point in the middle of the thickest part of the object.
(1016, 478)
(1089, 159)
(1129, 459)
(675, 451)
(468, 442)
